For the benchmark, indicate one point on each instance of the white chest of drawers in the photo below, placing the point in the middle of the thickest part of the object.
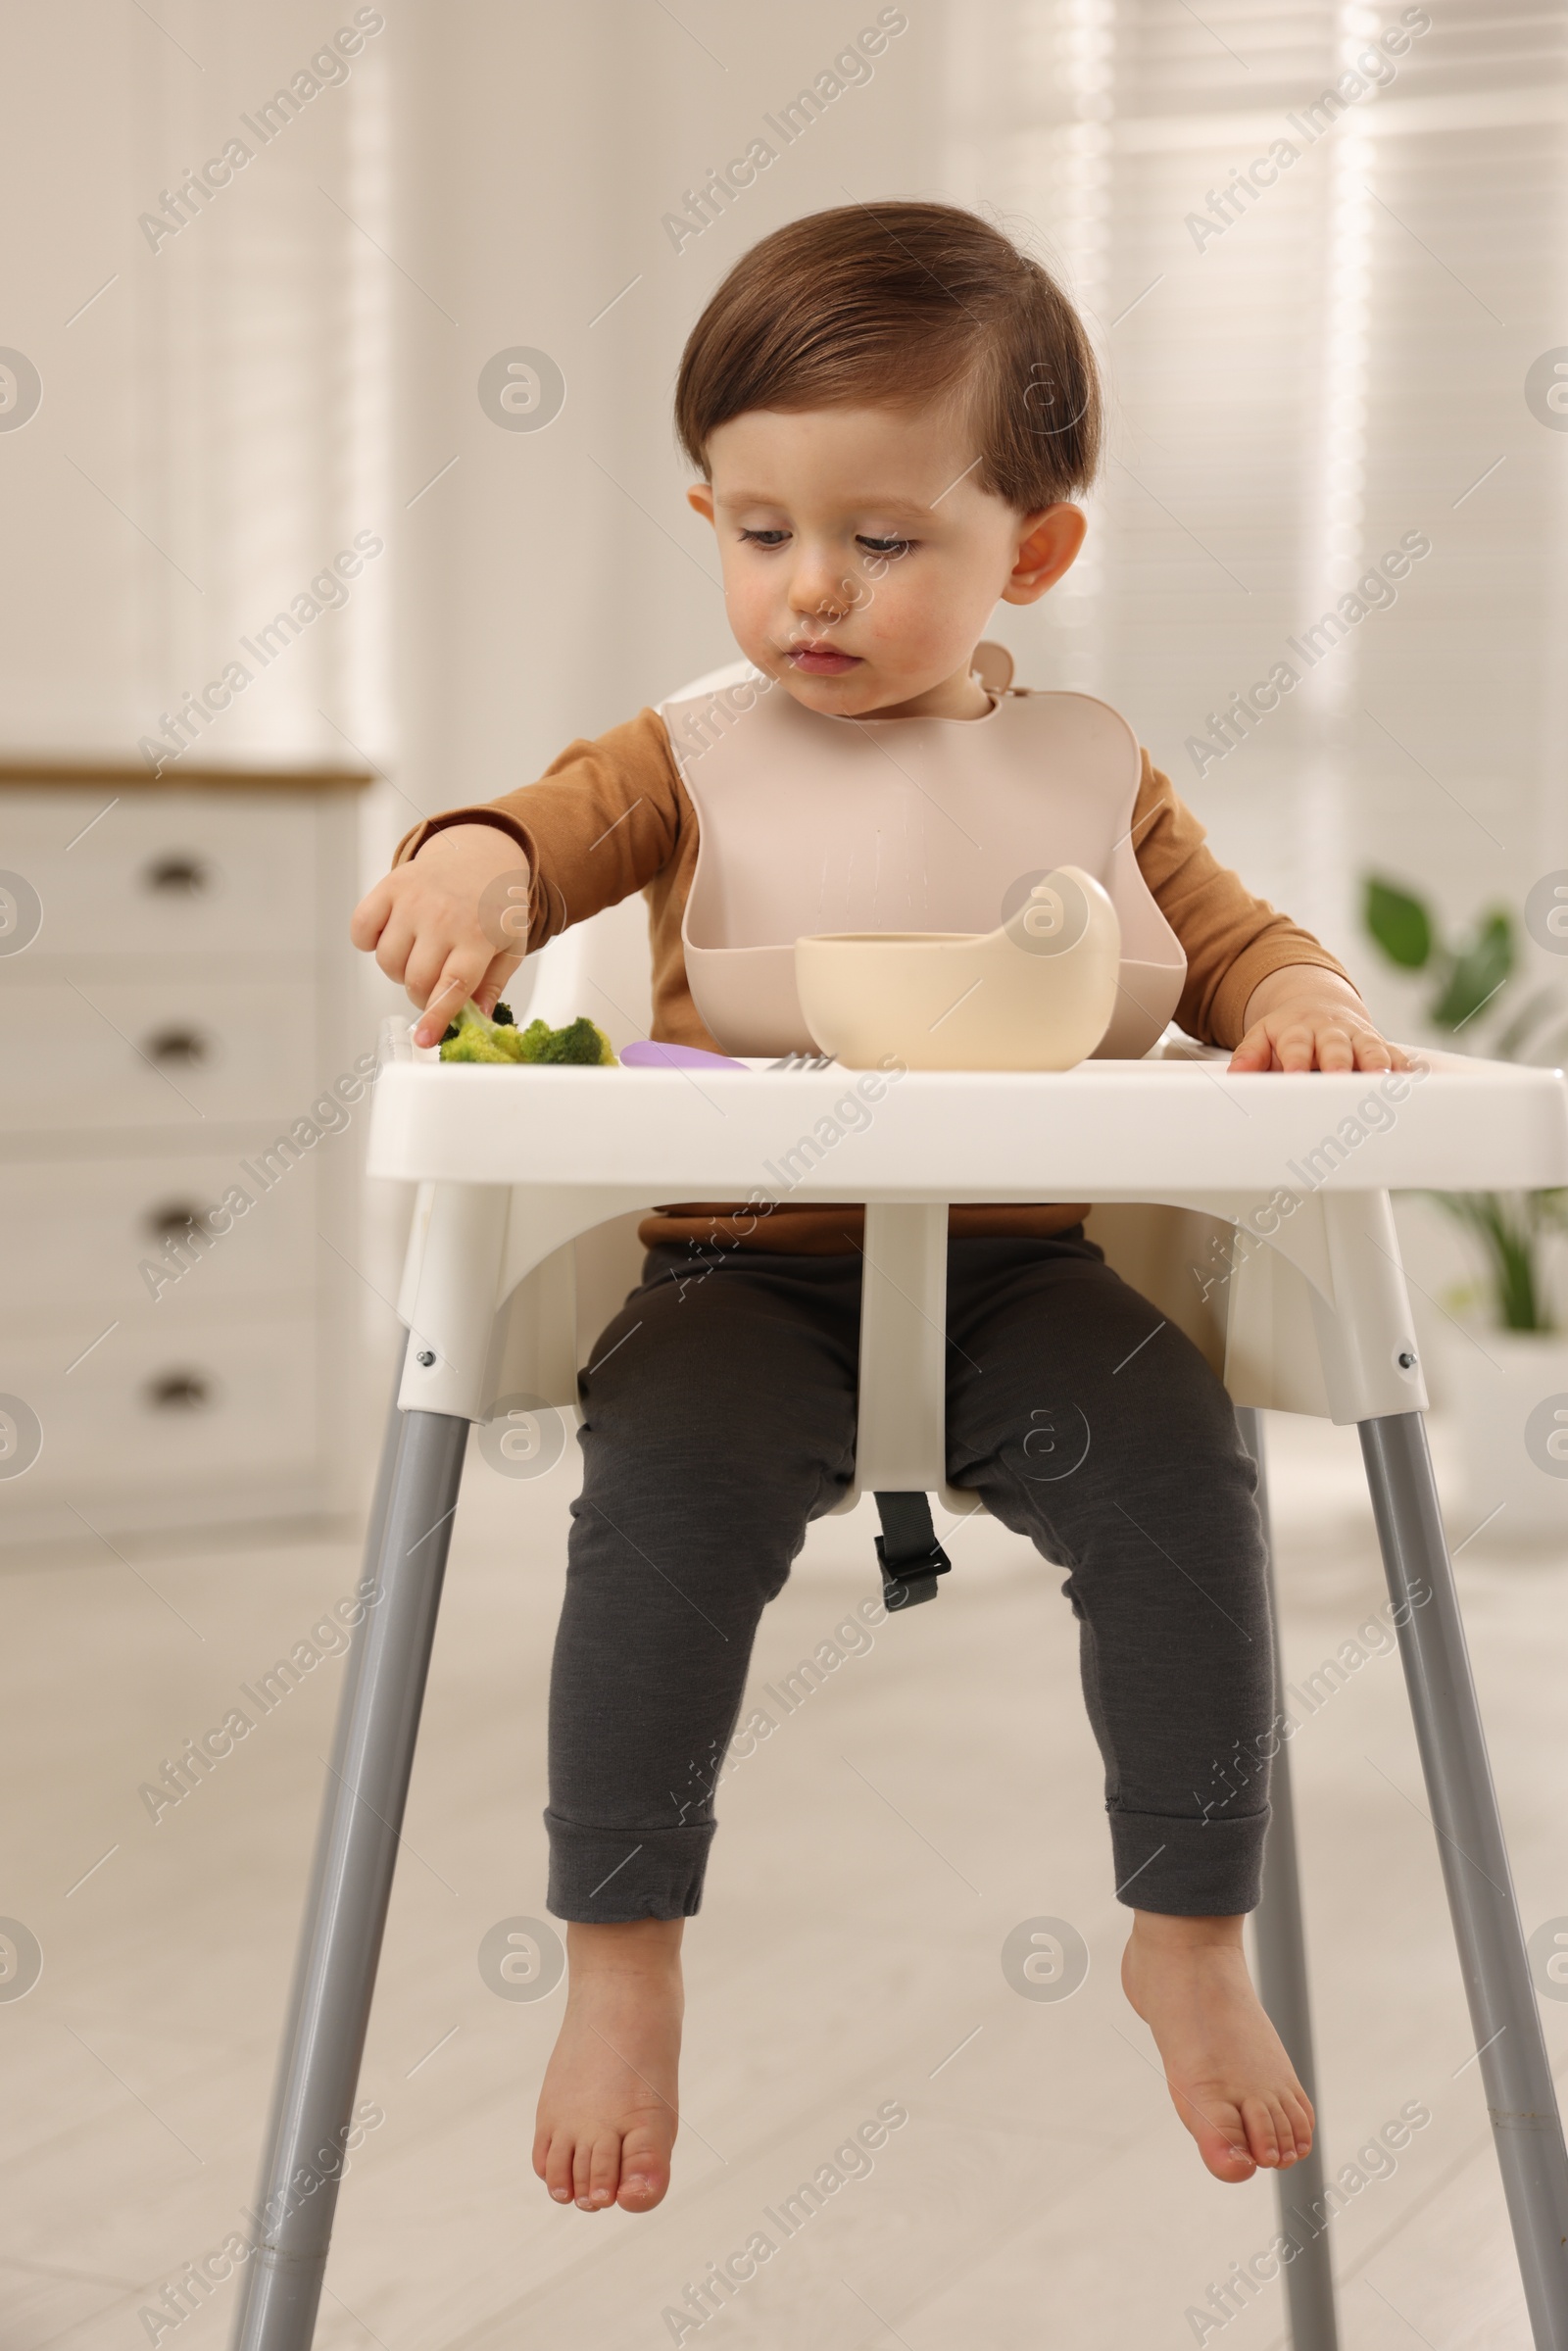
(181, 1126)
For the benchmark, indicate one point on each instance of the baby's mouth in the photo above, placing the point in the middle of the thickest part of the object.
(820, 660)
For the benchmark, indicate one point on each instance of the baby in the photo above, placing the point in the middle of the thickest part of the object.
(891, 411)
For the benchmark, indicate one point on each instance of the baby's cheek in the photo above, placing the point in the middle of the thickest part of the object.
(748, 606)
(915, 630)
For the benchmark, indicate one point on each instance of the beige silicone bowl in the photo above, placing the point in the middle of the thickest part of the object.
(1036, 994)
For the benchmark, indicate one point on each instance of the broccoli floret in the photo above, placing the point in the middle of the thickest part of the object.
(532, 1040)
(503, 1017)
(580, 1041)
(469, 1046)
(474, 1038)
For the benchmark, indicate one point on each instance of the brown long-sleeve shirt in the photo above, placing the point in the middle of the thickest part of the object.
(612, 815)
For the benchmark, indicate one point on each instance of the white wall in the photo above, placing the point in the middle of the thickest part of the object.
(301, 359)
(213, 421)
(556, 580)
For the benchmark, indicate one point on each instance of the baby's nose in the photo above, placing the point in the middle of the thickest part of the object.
(818, 589)
(820, 598)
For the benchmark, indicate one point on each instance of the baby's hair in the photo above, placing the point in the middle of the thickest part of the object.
(899, 304)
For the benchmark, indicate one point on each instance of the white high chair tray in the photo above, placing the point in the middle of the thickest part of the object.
(1105, 1130)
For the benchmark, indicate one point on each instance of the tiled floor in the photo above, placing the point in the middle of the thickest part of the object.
(875, 1852)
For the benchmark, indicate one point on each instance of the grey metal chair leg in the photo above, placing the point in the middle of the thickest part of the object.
(1503, 2014)
(351, 1884)
(1282, 1987)
(374, 1531)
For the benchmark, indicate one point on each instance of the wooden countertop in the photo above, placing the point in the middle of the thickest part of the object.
(132, 776)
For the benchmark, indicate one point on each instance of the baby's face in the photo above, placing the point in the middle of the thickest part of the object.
(862, 563)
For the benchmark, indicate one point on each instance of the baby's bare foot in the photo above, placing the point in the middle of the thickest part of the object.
(607, 2110)
(1233, 2086)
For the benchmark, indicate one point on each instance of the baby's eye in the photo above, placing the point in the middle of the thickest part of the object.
(886, 547)
(766, 538)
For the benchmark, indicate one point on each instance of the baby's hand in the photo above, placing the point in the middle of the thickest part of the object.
(422, 924)
(1306, 1018)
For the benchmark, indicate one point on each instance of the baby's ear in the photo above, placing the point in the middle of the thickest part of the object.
(1049, 543)
(700, 498)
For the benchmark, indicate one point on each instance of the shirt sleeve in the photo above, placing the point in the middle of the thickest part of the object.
(1231, 938)
(604, 820)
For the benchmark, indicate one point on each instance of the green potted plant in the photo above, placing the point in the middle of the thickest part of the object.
(1510, 1381)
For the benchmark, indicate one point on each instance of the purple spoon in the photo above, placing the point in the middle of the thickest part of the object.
(648, 1056)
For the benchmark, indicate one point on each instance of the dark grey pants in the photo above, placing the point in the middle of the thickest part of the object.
(720, 1418)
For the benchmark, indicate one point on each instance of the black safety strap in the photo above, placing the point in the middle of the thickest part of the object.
(911, 1555)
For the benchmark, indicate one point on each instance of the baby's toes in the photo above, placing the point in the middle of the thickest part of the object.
(1299, 2109)
(1222, 2139)
(1263, 2135)
(1283, 2129)
(596, 2173)
(558, 2163)
(644, 2171)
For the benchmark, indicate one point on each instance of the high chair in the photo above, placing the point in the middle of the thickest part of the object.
(529, 1182)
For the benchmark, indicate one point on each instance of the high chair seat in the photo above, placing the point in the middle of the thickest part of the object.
(1304, 1295)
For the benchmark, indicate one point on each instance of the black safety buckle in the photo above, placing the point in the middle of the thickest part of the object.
(907, 1549)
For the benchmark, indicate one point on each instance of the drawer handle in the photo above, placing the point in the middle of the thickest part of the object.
(178, 1391)
(175, 1217)
(184, 1047)
(177, 875)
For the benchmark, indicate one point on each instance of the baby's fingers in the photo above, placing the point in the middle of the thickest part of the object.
(1255, 1051)
(494, 984)
(1373, 1051)
(1337, 1045)
(460, 978)
(1297, 1041)
(370, 917)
